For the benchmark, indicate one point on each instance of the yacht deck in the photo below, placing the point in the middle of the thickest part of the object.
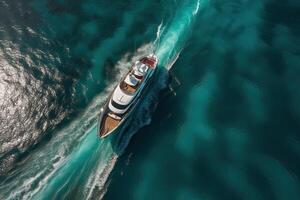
(108, 125)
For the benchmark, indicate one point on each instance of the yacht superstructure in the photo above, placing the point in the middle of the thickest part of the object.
(126, 95)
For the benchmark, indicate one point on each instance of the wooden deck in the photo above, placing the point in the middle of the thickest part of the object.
(108, 124)
(127, 88)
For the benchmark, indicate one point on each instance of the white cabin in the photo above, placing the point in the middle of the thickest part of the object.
(126, 90)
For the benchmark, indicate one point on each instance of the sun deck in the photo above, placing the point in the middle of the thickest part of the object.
(149, 61)
(127, 88)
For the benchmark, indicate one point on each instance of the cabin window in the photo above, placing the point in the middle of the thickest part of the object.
(118, 106)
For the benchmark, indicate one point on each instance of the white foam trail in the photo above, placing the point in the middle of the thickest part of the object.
(197, 8)
(173, 40)
(101, 174)
(72, 134)
(159, 32)
(171, 63)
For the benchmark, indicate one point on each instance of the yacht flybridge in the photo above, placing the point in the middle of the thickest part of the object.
(126, 95)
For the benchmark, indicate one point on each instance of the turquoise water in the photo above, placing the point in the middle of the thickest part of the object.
(230, 130)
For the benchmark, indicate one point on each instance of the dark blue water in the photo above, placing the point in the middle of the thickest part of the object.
(229, 131)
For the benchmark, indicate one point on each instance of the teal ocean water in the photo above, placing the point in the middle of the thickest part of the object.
(221, 121)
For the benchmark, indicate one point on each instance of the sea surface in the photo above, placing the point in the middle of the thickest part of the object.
(221, 121)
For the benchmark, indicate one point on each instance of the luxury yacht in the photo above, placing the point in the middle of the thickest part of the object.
(126, 95)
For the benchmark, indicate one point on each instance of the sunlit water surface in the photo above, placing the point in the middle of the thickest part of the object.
(230, 132)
